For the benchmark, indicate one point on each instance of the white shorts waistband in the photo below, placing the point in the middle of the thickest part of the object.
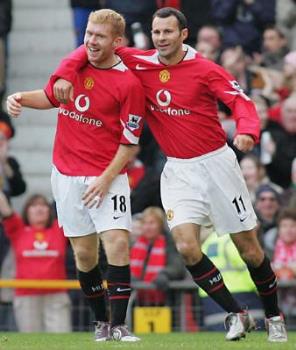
(199, 158)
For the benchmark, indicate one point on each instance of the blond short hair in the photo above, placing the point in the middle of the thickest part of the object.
(157, 213)
(109, 16)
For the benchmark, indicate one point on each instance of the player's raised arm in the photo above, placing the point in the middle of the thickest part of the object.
(71, 64)
(34, 99)
(225, 88)
(64, 76)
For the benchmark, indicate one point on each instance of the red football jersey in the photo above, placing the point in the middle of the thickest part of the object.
(107, 110)
(181, 99)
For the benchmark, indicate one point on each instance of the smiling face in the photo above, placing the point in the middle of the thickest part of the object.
(100, 41)
(267, 205)
(168, 38)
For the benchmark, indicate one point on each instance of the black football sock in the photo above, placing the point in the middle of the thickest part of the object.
(119, 290)
(266, 283)
(92, 287)
(208, 277)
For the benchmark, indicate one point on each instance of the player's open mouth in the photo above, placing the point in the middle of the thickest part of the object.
(91, 49)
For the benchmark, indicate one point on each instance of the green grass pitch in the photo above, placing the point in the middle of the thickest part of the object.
(173, 341)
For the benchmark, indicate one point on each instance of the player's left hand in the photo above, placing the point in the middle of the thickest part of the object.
(244, 143)
(96, 192)
(63, 91)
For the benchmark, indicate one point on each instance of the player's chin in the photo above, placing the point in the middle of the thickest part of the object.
(92, 56)
(93, 59)
(164, 51)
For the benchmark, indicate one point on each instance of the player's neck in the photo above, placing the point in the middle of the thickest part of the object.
(108, 62)
(175, 58)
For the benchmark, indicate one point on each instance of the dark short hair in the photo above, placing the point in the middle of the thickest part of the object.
(287, 213)
(267, 188)
(170, 11)
(276, 29)
(215, 28)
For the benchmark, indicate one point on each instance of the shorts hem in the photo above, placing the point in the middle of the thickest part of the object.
(114, 228)
(232, 232)
(185, 221)
(98, 232)
(73, 235)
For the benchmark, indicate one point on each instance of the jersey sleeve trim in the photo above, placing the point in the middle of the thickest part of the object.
(132, 139)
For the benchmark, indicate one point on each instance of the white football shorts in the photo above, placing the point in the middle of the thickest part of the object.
(76, 219)
(207, 190)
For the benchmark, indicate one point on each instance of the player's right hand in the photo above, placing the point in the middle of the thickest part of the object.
(13, 104)
(63, 91)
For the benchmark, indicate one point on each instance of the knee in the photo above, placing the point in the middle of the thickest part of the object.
(85, 258)
(121, 246)
(118, 251)
(252, 256)
(190, 252)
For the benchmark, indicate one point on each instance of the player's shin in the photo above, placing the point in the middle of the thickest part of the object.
(92, 286)
(208, 277)
(119, 290)
(266, 283)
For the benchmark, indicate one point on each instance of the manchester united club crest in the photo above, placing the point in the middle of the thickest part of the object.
(170, 214)
(40, 243)
(164, 76)
(89, 83)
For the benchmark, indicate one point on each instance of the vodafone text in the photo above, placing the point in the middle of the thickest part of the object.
(80, 117)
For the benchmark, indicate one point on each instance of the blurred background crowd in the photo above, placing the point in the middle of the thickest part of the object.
(255, 40)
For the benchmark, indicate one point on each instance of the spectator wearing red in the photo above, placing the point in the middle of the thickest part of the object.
(154, 258)
(284, 259)
(39, 247)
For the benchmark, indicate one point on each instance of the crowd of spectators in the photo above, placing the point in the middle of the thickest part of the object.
(255, 40)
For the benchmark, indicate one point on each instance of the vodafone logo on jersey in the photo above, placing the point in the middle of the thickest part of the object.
(82, 103)
(163, 98)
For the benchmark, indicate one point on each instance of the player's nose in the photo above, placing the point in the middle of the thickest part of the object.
(92, 40)
(161, 36)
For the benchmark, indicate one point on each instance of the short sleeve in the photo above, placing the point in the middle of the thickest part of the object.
(132, 111)
(48, 89)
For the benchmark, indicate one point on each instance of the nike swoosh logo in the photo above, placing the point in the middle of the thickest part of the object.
(122, 289)
(139, 67)
(242, 220)
(117, 217)
(272, 284)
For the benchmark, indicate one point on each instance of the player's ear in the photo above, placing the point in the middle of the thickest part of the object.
(184, 33)
(117, 42)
